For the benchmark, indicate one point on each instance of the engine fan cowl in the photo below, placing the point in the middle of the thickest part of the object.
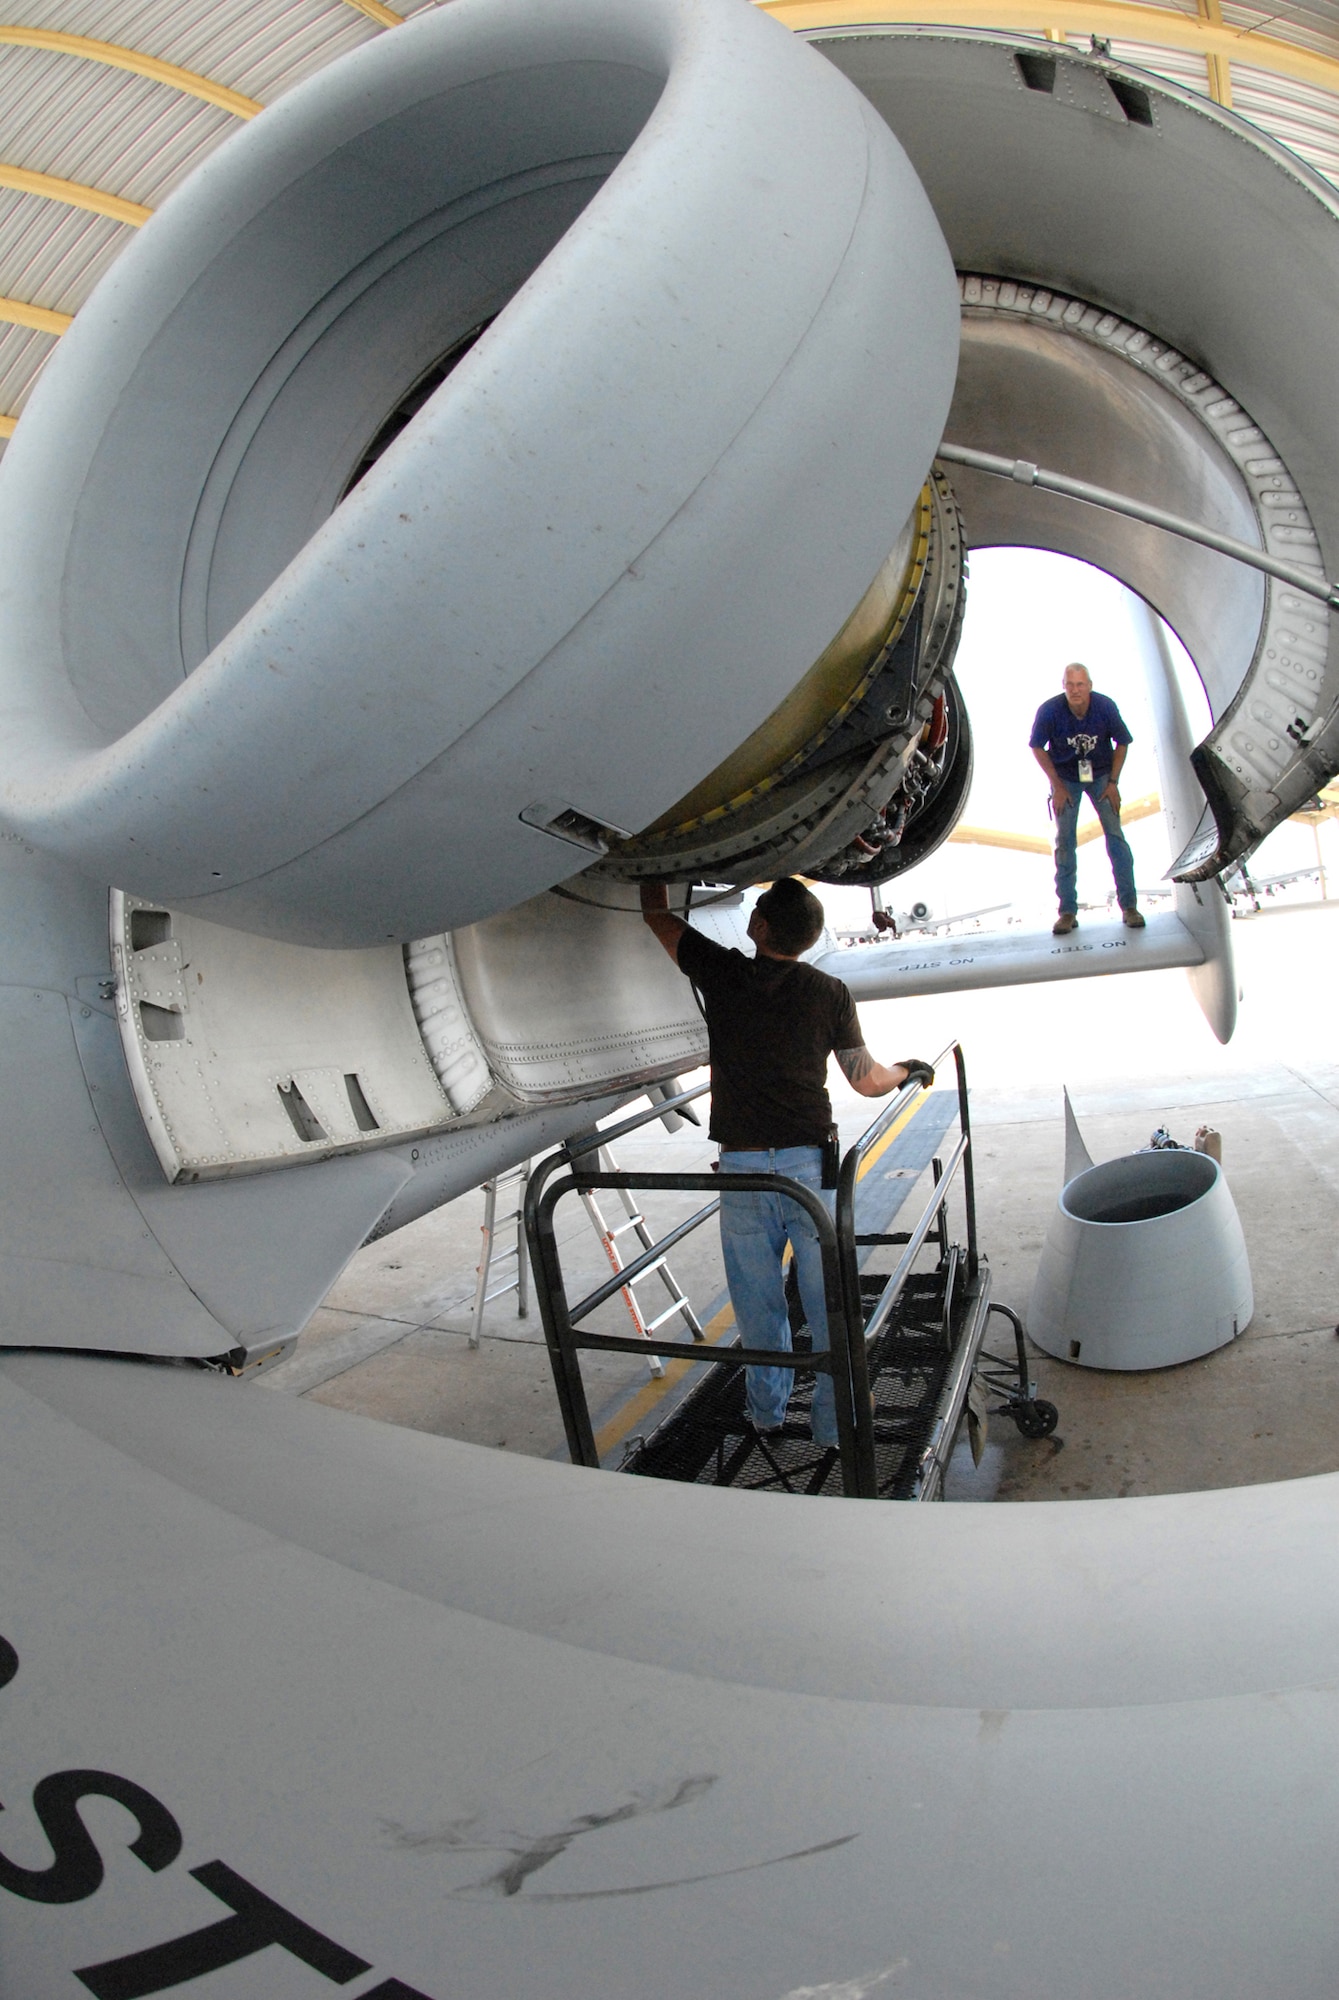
(720, 355)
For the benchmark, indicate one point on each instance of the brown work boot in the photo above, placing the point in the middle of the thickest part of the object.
(1133, 919)
(1066, 922)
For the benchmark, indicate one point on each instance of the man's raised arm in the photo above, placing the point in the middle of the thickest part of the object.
(657, 916)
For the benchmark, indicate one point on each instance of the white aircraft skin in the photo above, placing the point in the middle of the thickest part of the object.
(292, 1700)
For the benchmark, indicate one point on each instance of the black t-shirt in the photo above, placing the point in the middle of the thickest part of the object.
(771, 1024)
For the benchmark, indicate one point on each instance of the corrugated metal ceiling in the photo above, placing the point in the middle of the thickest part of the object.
(129, 136)
(1298, 115)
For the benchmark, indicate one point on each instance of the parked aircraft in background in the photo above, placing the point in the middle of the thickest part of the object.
(917, 921)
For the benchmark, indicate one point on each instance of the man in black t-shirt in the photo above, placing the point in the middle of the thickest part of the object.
(772, 1022)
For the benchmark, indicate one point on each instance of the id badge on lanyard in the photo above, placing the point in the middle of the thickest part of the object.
(1085, 770)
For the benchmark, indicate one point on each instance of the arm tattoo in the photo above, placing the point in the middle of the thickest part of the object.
(855, 1063)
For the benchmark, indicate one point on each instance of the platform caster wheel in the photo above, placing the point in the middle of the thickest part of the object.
(1036, 1420)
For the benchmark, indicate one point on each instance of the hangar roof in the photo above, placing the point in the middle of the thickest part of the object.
(105, 105)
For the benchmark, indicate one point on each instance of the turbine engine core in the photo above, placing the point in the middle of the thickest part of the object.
(865, 766)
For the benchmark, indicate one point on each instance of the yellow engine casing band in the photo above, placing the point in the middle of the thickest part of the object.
(829, 691)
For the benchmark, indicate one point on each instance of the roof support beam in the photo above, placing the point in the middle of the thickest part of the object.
(385, 17)
(14, 312)
(115, 57)
(1220, 72)
(1117, 20)
(74, 194)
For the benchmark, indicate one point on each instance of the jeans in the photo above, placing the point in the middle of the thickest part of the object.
(754, 1231)
(1066, 853)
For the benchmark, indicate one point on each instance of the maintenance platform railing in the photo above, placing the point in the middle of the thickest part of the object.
(919, 1336)
(563, 1322)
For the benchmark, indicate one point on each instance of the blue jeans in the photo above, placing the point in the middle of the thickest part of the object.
(1066, 852)
(755, 1229)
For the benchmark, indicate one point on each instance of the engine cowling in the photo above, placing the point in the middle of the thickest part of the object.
(241, 679)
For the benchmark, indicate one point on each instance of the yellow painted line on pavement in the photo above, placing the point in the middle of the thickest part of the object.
(876, 1153)
(654, 1391)
(646, 1398)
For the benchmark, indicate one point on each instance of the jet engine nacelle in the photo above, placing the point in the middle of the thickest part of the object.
(1114, 329)
(480, 440)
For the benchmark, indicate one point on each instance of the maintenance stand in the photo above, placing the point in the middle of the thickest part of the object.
(906, 1346)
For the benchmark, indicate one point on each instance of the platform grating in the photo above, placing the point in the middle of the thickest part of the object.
(708, 1442)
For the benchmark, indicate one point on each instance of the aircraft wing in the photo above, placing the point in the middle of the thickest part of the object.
(1012, 958)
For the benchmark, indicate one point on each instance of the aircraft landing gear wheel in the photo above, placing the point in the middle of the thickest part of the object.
(1036, 1420)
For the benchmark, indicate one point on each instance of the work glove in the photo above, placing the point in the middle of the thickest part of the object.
(917, 1071)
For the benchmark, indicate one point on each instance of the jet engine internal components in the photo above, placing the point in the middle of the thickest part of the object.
(865, 767)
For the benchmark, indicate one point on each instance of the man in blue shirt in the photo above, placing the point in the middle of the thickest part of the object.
(1080, 740)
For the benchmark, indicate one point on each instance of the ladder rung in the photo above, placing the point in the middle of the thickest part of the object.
(642, 1276)
(668, 1313)
(635, 1224)
(497, 1257)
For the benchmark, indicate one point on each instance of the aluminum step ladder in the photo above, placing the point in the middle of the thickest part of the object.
(635, 1224)
(519, 1280)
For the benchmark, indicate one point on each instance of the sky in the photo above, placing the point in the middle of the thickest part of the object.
(1029, 614)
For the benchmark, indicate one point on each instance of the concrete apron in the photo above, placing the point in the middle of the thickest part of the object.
(391, 1338)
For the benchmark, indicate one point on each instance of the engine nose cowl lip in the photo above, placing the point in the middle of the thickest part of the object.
(721, 353)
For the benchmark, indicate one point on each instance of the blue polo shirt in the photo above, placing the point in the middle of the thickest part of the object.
(1066, 737)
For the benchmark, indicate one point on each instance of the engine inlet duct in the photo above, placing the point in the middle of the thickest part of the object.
(525, 421)
(1076, 429)
(864, 768)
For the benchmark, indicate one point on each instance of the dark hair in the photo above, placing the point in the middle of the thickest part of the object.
(793, 915)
